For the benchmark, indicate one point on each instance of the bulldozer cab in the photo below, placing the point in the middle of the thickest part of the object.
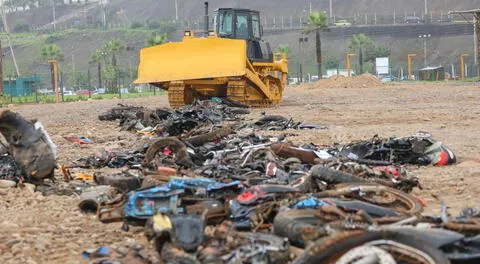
(243, 24)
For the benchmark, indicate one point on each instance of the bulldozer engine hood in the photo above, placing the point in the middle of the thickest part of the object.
(195, 58)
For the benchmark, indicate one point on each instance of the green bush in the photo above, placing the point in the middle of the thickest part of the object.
(152, 24)
(21, 26)
(132, 90)
(168, 27)
(81, 26)
(54, 38)
(136, 25)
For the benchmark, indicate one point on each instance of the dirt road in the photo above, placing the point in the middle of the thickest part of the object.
(37, 229)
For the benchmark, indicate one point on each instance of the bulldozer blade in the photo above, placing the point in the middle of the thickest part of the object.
(193, 58)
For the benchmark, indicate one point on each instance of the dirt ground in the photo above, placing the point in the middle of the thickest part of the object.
(37, 229)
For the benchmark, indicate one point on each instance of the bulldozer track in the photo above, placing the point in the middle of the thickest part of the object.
(179, 94)
(176, 97)
(238, 89)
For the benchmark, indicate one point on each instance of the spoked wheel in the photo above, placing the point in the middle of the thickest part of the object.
(402, 253)
(377, 194)
(382, 247)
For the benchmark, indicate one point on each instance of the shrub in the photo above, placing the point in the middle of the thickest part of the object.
(152, 24)
(54, 38)
(136, 24)
(168, 27)
(21, 26)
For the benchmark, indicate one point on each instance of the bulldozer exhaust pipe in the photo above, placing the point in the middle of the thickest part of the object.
(206, 19)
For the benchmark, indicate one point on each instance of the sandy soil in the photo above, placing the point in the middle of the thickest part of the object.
(37, 229)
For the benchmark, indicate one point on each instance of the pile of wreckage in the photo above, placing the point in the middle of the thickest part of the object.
(208, 188)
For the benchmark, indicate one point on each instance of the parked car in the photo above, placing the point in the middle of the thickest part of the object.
(413, 20)
(68, 92)
(84, 92)
(388, 78)
(449, 76)
(342, 22)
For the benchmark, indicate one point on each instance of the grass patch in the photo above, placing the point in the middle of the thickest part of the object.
(49, 99)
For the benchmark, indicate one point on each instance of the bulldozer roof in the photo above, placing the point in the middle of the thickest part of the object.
(237, 9)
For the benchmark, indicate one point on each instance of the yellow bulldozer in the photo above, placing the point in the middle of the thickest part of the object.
(231, 61)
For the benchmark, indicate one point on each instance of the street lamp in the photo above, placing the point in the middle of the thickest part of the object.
(331, 11)
(426, 9)
(55, 80)
(424, 37)
(462, 65)
(103, 4)
(54, 16)
(349, 66)
(176, 11)
(410, 65)
(301, 50)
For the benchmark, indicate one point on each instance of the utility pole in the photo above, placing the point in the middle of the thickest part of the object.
(176, 10)
(424, 37)
(462, 65)
(54, 16)
(425, 52)
(104, 13)
(301, 50)
(331, 11)
(475, 43)
(5, 26)
(1, 70)
(349, 65)
(73, 70)
(410, 65)
(426, 9)
(55, 79)
(476, 14)
(89, 78)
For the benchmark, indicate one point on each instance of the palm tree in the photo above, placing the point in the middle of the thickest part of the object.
(283, 49)
(317, 22)
(96, 58)
(112, 48)
(359, 41)
(157, 39)
(52, 52)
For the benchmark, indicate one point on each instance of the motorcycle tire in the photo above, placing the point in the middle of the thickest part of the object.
(293, 223)
(271, 118)
(396, 200)
(331, 249)
(124, 183)
(182, 157)
(332, 176)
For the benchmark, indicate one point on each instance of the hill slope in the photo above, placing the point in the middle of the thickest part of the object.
(128, 11)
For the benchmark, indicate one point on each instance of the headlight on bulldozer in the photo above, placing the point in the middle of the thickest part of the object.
(211, 33)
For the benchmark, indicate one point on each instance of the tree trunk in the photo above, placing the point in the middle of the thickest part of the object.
(114, 64)
(100, 75)
(319, 52)
(360, 59)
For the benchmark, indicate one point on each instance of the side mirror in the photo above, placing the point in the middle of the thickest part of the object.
(261, 31)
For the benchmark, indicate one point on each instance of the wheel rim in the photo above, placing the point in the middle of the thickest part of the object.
(366, 254)
(402, 253)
